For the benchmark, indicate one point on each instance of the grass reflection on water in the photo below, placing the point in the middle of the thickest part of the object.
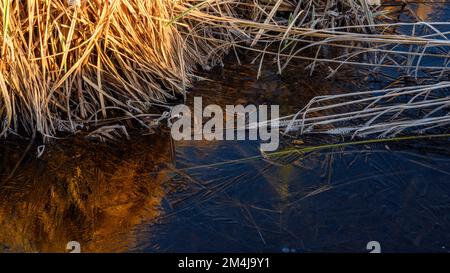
(93, 193)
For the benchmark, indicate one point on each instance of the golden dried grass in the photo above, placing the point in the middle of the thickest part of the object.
(71, 66)
(64, 67)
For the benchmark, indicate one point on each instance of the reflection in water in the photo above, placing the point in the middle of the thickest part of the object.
(418, 10)
(427, 10)
(127, 197)
(330, 200)
(106, 196)
(81, 191)
(292, 90)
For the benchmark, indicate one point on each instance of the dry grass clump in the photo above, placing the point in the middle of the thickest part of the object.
(338, 32)
(380, 113)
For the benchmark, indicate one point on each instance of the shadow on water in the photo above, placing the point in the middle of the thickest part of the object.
(150, 194)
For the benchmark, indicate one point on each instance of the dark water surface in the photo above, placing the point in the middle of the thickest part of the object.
(155, 195)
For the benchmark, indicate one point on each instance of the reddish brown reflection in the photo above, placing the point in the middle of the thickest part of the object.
(93, 193)
(421, 10)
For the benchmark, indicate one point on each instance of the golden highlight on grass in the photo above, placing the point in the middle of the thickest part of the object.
(71, 65)
(64, 67)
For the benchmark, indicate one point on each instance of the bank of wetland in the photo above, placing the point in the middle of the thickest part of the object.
(86, 154)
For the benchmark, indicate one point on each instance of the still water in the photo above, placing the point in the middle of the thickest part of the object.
(152, 194)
